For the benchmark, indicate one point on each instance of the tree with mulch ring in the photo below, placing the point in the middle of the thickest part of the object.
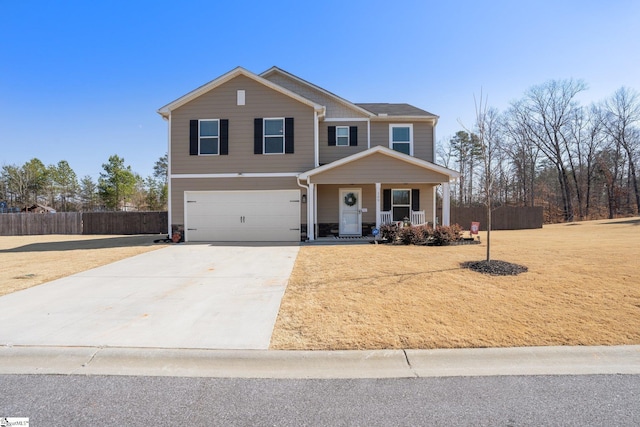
(495, 267)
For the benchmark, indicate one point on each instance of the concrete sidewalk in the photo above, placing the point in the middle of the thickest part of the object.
(320, 364)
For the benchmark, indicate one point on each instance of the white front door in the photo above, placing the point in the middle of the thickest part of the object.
(350, 211)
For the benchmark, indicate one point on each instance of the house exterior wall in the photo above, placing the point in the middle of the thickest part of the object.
(422, 137)
(261, 102)
(179, 186)
(335, 109)
(330, 154)
(378, 168)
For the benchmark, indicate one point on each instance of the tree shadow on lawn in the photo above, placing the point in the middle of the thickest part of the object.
(72, 245)
(634, 221)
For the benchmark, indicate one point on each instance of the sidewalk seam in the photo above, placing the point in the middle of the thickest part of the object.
(406, 358)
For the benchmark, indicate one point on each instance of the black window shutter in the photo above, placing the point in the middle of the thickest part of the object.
(415, 199)
(193, 137)
(386, 200)
(224, 137)
(353, 136)
(288, 135)
(257, 136)
(331, 135)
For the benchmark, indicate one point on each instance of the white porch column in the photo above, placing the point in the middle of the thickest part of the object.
(378, 205)
(311, 208)
(446, 202)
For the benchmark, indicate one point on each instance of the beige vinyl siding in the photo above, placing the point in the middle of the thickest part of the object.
(335, 109)
(378, 168)
(422, 137)
(329, 202)
(331, 154)
(179, 186)
(261, 102)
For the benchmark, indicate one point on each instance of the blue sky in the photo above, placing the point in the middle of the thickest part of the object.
(80, 81)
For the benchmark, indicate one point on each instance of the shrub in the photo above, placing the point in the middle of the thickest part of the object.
(389, 232)
(443, 234)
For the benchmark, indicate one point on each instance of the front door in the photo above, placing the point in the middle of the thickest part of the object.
(350, 212)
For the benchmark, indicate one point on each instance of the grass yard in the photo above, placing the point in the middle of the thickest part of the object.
(582, 288)
(31, 260)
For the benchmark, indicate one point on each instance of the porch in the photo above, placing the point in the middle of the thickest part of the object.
(353, 211)
(352, 196)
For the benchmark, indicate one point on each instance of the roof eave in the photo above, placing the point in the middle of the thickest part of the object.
(387, 151)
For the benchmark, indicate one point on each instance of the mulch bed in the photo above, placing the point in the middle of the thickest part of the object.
(495, 267)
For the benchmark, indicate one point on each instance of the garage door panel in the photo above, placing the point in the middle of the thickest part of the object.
(243, 215)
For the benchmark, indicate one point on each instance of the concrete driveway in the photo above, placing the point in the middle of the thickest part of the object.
(184, 296)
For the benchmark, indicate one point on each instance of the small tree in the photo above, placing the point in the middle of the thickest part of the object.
(487, 131)
(117, 183)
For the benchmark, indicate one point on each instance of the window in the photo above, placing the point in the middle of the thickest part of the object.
(401, 204)
(342, 136)
(273, 136)
(209, 137)
(401, 138)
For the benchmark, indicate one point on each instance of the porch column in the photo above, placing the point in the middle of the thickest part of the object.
(378, 205)
(311, 208)
(446, 201)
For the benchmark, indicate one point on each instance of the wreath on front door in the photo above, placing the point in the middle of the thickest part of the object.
(350, 199)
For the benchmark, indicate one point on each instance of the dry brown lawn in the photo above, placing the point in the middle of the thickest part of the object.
(27, 261)
(582, 288)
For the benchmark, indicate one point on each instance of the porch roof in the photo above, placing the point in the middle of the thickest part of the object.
(379, 164)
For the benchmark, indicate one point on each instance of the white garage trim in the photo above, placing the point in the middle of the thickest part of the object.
(236, 175)
(249, 215)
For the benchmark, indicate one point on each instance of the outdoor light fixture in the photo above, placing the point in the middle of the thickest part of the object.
(304, 198)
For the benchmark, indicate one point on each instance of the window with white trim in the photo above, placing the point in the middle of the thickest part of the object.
(401, 138)
(209, 137)
(273, 136)
(401, 204)
(342, 136)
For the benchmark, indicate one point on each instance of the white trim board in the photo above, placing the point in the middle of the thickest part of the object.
(236, 175)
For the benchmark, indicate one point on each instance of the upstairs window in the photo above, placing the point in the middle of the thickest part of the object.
(273, 136)
(401, 138)
(209, 137)
(342, 136)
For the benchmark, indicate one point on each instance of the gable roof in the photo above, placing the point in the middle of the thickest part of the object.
(165, 111)
(325, 92)
(394, 109)
(387, 152)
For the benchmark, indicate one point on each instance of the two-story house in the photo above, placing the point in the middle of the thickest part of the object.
(272, 157)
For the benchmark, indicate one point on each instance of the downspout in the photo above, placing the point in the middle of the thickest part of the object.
(316, 140)
(309, 220)
(169, 230)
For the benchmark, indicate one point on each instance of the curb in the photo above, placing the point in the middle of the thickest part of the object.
(319, 364)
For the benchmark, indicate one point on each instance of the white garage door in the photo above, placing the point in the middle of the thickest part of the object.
(242, 216)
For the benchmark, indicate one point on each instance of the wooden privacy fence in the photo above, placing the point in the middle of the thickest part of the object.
(22, 224)
(25, 224)
(502, 218)
(124, 222)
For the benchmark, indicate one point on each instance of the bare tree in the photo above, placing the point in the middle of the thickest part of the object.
(546, 113)
(487, 125)
(622, 117)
